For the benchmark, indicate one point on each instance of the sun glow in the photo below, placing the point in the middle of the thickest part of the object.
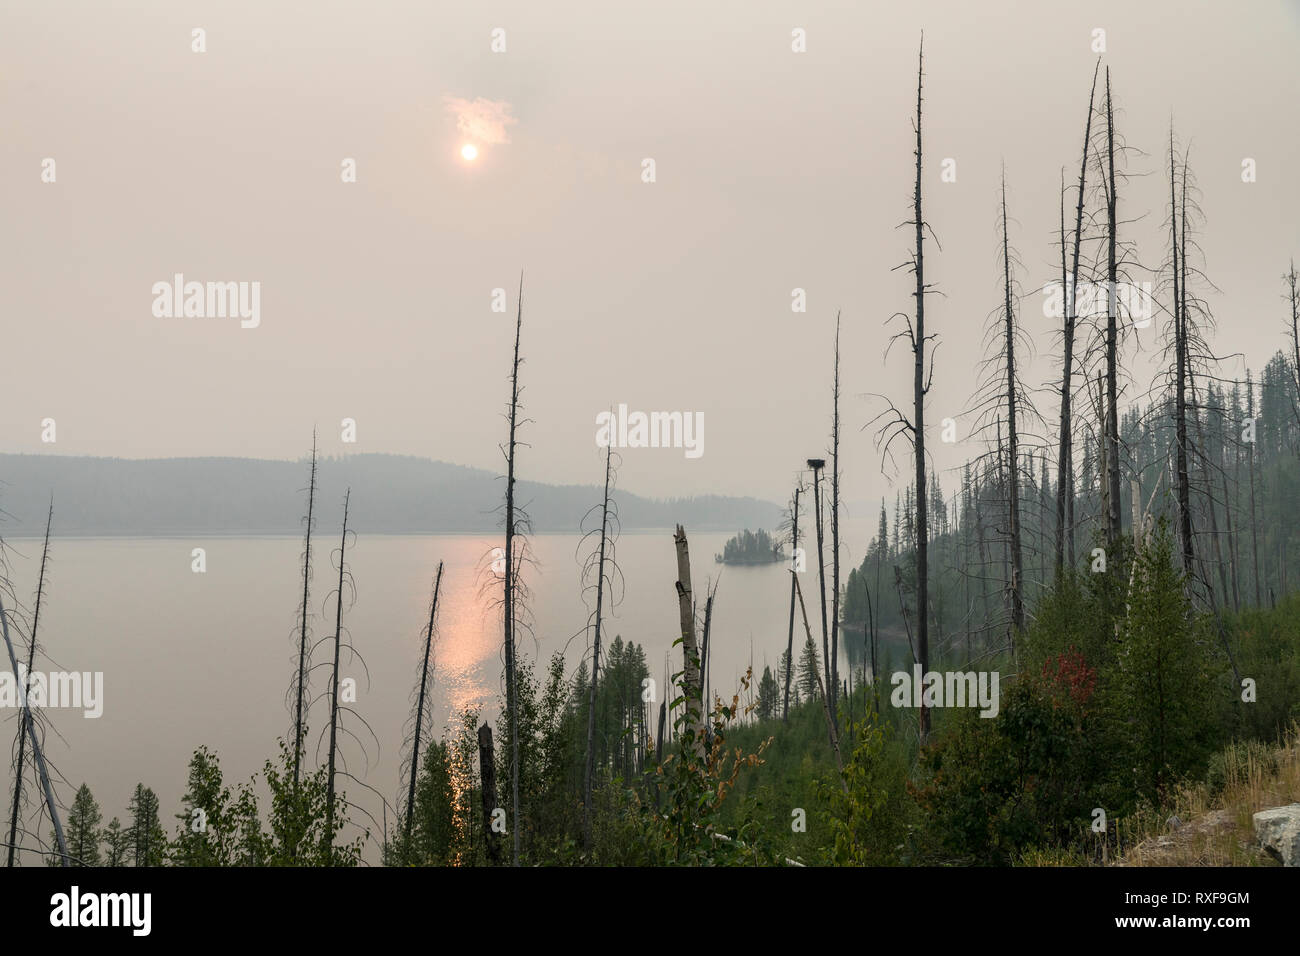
(470, 152)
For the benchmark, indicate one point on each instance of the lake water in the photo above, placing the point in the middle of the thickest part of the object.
(195, 659)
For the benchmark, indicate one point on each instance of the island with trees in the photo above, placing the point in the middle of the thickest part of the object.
(751, 547)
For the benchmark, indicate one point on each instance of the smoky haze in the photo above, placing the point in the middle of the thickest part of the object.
(774, 170)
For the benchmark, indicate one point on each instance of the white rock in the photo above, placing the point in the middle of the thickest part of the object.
(1278, 832)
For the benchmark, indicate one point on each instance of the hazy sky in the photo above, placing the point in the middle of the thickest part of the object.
(774, 170)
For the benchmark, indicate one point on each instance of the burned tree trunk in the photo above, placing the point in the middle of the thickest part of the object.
(789, 642)
(913, 428)
(1227, 514)
(512, 716)
(690, 649)
(835, 535)
(25, 678)
(425, 667)
(1292, 280)
(1180, 376)
(660, 739)
(1013, 483)
(919, 388)
(817, 464)
(334, 682)
(1250, 459)
(830, 724)
(303, 665)
(1113, 524)
(704, 646)
(595, 659)
(488, 778)
(871, 636)
(1070, 284)
(1211, 509)
(37, 754)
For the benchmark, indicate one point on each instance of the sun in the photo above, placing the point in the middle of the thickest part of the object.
(469, 151)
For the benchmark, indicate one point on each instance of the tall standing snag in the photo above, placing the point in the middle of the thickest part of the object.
(303, 664)
(1292, 279)
(817, 464)
(1181, 369)
(1113, 526)
(830, 724)
(426, 666)
(919, 388)
(690, 648)
(488, 777)
(511, 571)
(37, 753)
(1070, 283)
(595, 656)
(334, 684)
(25, 677)
(835, 535)
(913, 429)
(1013, 484)
(789, 644)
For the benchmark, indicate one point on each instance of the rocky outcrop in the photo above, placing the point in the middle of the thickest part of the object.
(1278, 832)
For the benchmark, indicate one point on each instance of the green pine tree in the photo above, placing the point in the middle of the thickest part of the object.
(82, 832)
(148, 839)
(1168, 669)
(117, 840)
(769, 696)
(809, 668)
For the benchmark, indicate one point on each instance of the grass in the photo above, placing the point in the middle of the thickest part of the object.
(1217, 827)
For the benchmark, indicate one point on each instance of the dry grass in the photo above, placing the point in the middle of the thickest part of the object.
(1217, 828)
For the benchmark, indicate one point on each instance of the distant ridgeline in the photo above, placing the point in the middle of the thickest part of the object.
(391, 494)
(750, 548)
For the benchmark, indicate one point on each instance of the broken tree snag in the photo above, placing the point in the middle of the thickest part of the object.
(919, 389)
(37, 754)
(488, 777)
(690, 649)
(826, 710)
(789, 644)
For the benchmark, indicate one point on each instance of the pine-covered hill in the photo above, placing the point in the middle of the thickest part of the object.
(394, 494)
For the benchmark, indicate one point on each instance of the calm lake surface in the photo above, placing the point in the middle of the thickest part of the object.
(207, 659)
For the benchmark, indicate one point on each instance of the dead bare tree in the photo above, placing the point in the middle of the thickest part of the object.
(818, 465)
(690, 647)
(1181, 370)
(340, 707)
(25, 677)
(1013, 487)
(304, 664)
(38, 754)
(830, 724)
(920, 386)
(1113, 526)
(605, 552)
(1070, 285)
(835, 535)
(794, 557)
(488, 779)
(334, 678)
(1292, 279)
(1002, 398)
(912, 429)
(710, 592)
(510, 583)
(422, 710)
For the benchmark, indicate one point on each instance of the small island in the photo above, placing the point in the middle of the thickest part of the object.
(750, 548)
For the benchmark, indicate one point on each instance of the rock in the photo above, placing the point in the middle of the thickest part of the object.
(1278, 832)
